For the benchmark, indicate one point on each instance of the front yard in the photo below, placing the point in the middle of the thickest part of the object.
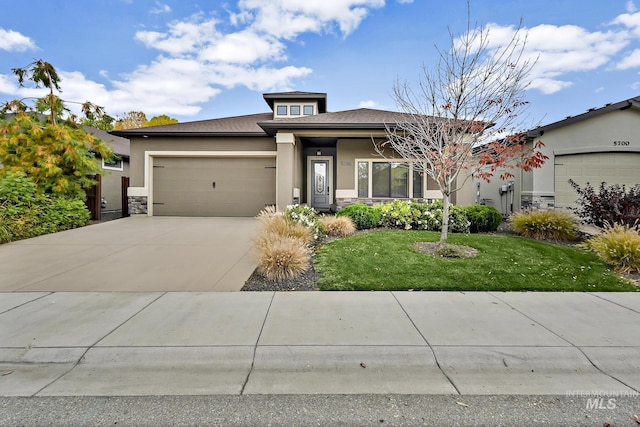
(387, 260)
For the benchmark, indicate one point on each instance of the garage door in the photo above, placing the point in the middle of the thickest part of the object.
(612, 168)
(201, 186)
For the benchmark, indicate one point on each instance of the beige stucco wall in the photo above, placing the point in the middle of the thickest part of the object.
(347, 151)
(112, 186)
(594, 135)
(140, 145)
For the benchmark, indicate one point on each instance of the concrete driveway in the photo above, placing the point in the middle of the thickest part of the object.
(134, 254)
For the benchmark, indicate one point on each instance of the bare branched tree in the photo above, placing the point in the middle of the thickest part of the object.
(467, 115)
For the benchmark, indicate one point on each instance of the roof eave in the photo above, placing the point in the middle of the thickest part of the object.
(594, 112)
(126, 134)
(272, 128)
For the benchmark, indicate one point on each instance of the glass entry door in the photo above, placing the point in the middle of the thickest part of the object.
(320, 185)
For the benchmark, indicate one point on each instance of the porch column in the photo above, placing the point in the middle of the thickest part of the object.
(285, 168)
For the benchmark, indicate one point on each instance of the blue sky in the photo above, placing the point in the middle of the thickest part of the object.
(208, 59)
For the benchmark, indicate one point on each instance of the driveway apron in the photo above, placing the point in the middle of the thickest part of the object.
(134, 254)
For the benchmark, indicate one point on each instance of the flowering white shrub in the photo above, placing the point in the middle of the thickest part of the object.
(411, 215)
(306, 216)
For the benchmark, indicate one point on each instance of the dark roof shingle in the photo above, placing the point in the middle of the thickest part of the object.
(238, 125)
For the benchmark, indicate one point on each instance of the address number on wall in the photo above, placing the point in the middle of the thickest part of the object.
(620, 143)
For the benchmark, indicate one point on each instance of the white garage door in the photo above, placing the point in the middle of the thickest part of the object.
(201, 186)
(594, 168)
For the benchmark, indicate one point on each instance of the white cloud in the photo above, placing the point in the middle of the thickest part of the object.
(202, 55)
(369, 104)
(161, 8)
(14, 41)
(244, 47)
(631, 7)
(561, 50)
(630, 61)
(288, 18)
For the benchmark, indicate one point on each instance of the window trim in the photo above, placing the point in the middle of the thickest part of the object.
(370, 178)
(118, 165)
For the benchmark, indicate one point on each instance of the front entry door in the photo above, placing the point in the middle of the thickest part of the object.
(320, 185)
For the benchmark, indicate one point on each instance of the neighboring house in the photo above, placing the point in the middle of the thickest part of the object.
(113, 172)
(601, 145)
(297, 153)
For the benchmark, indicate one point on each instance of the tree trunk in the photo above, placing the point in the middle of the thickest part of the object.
(445, 218)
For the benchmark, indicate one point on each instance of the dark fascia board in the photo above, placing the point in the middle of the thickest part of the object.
(272, 128)
(593, 112)
(321, 97)
(126, 134)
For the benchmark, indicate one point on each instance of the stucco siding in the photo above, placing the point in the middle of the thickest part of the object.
(140, 145)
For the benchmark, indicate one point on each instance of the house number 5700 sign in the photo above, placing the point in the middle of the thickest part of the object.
(620, 143)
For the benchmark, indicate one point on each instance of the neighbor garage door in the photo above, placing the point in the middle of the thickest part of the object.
(204, 186)
(612, 168)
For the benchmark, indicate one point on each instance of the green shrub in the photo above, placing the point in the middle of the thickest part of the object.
(483, 218)
(398, 214)
(341, 226)
(363, 216)
(17, 188)
(431, 217)
(544, 225)
(5, 234)
(411, 215)
(61, 213)
(25, 214)
(618, 246)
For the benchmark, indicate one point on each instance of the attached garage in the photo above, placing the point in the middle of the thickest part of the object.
(594, 168)
(213, 186)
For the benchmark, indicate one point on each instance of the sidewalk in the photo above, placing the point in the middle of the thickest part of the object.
(241, 343)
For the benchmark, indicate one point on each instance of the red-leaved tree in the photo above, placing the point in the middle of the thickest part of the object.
(467, 115)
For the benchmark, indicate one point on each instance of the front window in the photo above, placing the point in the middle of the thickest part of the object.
(294, 110)
(392, 180)
(418, 180)
(307, 110)
(282, 110)
(363, 179)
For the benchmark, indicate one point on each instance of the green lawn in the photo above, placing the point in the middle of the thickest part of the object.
(386, 260)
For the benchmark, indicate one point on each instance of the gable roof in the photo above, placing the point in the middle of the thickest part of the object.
(592, 112)
(119, 145)
(264, 124)
(231, 126)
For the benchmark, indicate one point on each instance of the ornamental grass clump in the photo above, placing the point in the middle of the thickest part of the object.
(279, 225)
(545, 225)
(618, 246)
(338, 226)
(283, 246)
(281, 257)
